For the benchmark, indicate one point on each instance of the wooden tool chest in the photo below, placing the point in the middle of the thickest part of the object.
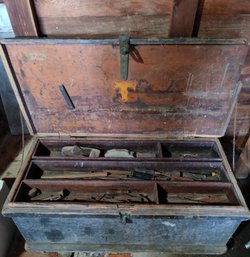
(126, 156)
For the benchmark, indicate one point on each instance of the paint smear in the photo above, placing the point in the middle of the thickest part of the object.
(123, 87)
(168, 224)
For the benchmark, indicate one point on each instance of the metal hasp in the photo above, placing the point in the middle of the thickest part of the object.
(124, 56)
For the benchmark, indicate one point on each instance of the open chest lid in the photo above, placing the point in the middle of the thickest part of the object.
(168, 87)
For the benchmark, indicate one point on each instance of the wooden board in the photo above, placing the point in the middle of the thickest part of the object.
(183, 17)
(175, 90)
(231, 19)
(242, 116)
(243, 164)
(23, 17)
(10, 105)
(138, 18)
(225, 19)
(243, 109)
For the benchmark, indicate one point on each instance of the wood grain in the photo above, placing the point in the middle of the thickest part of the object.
(243, 164)
(183, 18)
(225, 19)
(180, 89)
(12, 81)
(138, 18)
(231, 19)
(242, 116)
(10, 105)
(23, 17)
(243, 110)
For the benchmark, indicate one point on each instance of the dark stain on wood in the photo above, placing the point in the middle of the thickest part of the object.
(54, 235)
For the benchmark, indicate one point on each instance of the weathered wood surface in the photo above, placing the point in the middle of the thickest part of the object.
(225, 19)
(189, 95)
(23, 17)
(242, 116)
(243, 164)
(231, 19)
(12, 81)
(10, 104)
(138, 18)
(183, 17)
(197, 234)
(243, 109)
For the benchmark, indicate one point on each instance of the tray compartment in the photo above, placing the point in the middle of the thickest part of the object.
(139, 149)
(187, 150)
(136, 192)
(89, 192)
(196, 193)
(122, 170)
(195, 150)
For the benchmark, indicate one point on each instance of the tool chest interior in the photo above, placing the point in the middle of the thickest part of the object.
(184, 186)
(176, 174)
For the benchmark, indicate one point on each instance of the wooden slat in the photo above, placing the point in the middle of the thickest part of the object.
(12, 81)
(138, 18)
(242, 117)
(243, 164)
(11, 107)
(231, 176)
(189, 95)
(245, 73)
(243, 110)
(231, 19)
(23, 17)
(183, 19)
(225, 19)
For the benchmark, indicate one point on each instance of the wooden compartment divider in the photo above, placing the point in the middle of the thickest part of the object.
(149, 192)
(200, 150)
(110, 170)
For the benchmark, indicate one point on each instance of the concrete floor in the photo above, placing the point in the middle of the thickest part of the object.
(10, 161)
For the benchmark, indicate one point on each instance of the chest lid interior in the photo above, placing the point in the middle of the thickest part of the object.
(168, 87)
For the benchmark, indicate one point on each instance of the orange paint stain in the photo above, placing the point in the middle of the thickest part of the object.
(123, 87)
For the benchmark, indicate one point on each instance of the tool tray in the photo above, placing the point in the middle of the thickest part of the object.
(126, 174)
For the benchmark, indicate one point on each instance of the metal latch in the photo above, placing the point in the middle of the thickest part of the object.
(124, 56)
